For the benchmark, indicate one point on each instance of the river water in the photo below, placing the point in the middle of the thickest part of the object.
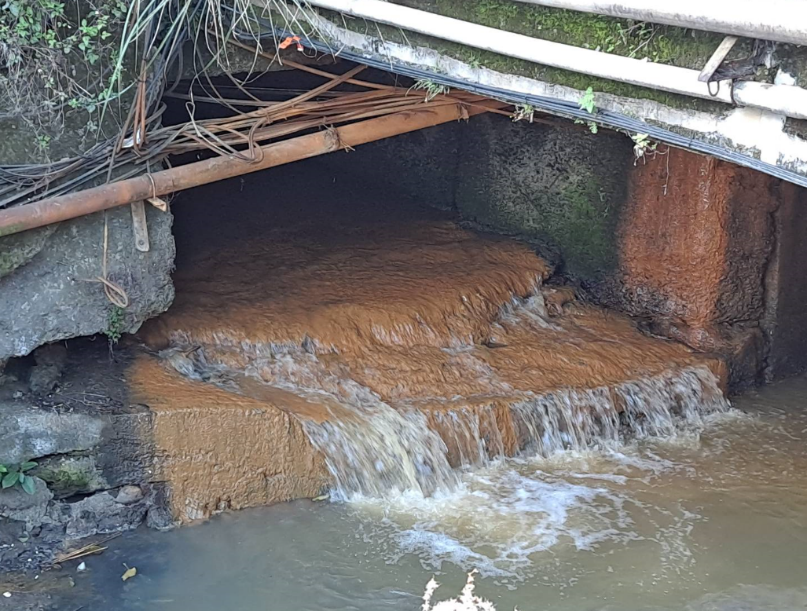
(469, 413)
(711, 518)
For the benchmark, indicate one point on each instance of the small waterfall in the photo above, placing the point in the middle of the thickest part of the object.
(383, 452)
(418, 349)
(373, 449)
(659, 406)
(386, 451)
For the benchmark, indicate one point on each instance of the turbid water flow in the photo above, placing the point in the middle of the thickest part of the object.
(714, 518)
(416, 347)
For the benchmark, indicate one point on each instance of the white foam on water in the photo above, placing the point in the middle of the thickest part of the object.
(572, 487)
(503, 517)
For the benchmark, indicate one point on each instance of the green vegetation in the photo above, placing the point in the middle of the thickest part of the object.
(586, 103)
(49, 56)
(642, 145)
(68, 477)
(431, 88)
(524, 112)
(115, 324)
(15, 475)
(675, 46)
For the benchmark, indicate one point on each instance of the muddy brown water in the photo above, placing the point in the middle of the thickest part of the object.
(466, 416)
(406, 345)
(714, 518)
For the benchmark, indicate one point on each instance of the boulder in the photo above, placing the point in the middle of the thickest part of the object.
(31, 509)
(101, 514)
(128, 495)
(28, 433)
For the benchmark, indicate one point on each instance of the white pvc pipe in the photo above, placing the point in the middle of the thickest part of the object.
(780, 20)
(781, 99)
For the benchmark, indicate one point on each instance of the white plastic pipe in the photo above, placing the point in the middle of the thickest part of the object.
(781, 99)
(780, 20)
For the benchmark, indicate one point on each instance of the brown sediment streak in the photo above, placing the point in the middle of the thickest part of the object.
(412, 337)
(352, 287)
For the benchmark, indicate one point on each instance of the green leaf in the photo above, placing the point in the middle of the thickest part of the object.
(3, 469)
(28, 465)
(22, 477)
(29, 485)
(10, 479)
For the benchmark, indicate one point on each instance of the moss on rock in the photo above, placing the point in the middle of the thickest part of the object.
(70, 475)
(561, 186)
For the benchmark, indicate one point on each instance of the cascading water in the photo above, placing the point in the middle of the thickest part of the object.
(375, 449)
(426, 349)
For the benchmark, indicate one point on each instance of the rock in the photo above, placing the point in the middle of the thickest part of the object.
(50, 362)
(46, 297)
(128, 495)
(11, 532)
(67, 475)
(28, 433)
(556, 298)
(159, 514)
(16, 504)
(101, 514)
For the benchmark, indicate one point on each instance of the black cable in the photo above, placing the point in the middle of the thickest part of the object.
(613, 120)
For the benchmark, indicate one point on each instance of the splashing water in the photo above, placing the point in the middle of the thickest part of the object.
(429, 350)
(374, 450)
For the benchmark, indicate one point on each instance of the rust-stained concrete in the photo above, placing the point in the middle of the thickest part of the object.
(219, 450)
(696, 237)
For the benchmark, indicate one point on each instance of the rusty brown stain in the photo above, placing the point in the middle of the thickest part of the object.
(696, 237)
(220, 450)
(381, 299)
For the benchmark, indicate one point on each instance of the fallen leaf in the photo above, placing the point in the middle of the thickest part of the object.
(130, 572)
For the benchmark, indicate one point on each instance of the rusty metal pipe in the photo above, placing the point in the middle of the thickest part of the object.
(80, 203)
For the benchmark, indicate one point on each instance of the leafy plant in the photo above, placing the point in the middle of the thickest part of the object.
(114, 325)
(524, 111)
(14, 475)
(586, 102)
(48, 51)
(642, 145)
(431, 88)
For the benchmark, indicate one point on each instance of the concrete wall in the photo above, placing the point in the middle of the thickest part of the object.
(785, 320)
(696, 237)
(698, 250)
(556, 185)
